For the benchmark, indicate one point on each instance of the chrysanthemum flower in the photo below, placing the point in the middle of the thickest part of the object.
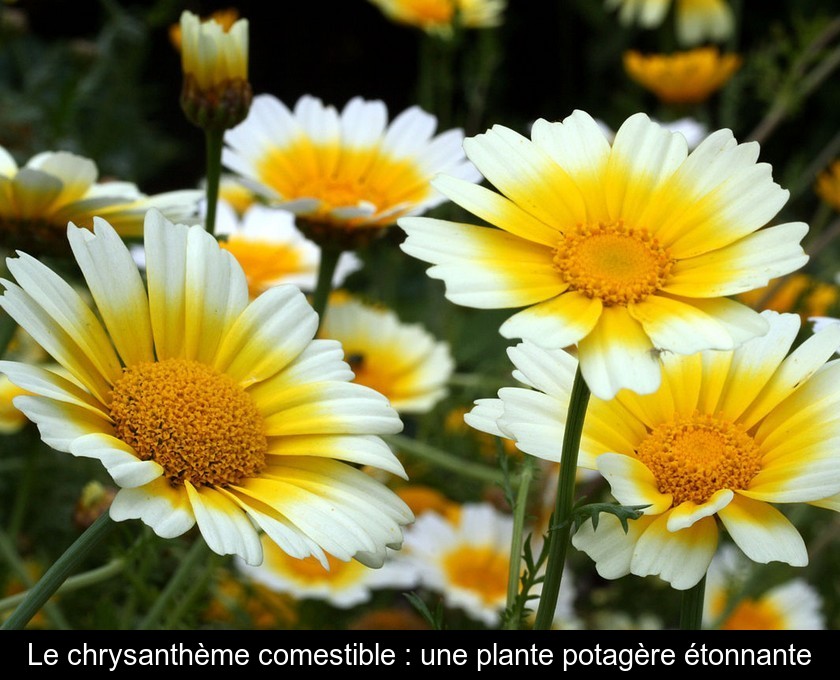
(206, 409)
(627, 251)
(696, 20)
(214, 58)
(683, 77)
(346, 175)
(402, 361)
(440, 17)
(273, 251)
(465, 559)
(341, 584)
(54, 188)
(791, 605)
(726, 435)
(828, 185)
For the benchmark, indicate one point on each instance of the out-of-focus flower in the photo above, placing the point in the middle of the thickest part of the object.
(345, 175)
(727, 434)
(94, 501)
(683, 77)
(216, 93)
(236, 195)
(795, 293)
(402, 361)
(54, 188)
(828, 185)
(273, 251)
(465, 560)
(422, 499)
(395, 618)
(792, 605)
(205, 408)
(696, 20)
(341, 584)
(627, 251)
(249, 605)
(441, 17)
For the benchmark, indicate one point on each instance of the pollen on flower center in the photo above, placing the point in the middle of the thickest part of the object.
(198, 424)
(612, 262)
(479, 569)
(694, 457)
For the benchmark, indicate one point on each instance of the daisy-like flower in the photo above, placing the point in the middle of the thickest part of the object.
(341, 584)
(346, 175)
(465, 559)
(828, 185)
(441, 17)
(216, 93)
(56, 187)
(696, 20)
(726, 435)
(206, 409)
(402, 361)
(792, 605)
(683, 77)
(625, 250)
(273, 251)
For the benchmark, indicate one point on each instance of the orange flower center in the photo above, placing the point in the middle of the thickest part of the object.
(479, 569)
(694, 457)
(754, 615)
(612, 262)
(265, 262)
(196, 423)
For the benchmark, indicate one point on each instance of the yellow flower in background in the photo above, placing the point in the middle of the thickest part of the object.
(206, 408)
(728, 435)
(798, 293)
(442, 16)
(56, 187)
(273, 251)
(226, 18)
(236, 195)
(345, 175)
(683, 77)
(216, 93)
(627, 250)
(828, 185)
(341, 584)
(422, 499)
(404, 362)
(696, 20)
(731, 602)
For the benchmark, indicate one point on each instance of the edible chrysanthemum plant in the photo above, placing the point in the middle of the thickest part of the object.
(207, 408)
(627, 250)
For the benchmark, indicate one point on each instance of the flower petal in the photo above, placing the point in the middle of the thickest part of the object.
(121, 461)
(558, 322)
(632, 483)
(165, 508)
(223, 524)
(763, 533)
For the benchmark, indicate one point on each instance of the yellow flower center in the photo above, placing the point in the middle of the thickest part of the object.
(754, 615)
(479, 569)
(199, 425)
(309, 571)
(264, 262)
(694, 457)
(612, 262)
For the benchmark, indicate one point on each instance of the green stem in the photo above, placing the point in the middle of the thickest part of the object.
(177, 583)
(561, 525)
(520, 506)
(444, 460)
(58, 573)
(691, 611)
(77, 582)
(326, 272)
(213, 146)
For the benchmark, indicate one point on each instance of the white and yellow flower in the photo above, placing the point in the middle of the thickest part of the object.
(341, 584)
(402, 361)
(441, 17)
(206, 408)
(346, 175)
(56, 187)
(727, 435)
(696, 20)
(626, 250)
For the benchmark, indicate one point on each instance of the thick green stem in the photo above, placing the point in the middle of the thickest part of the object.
(519, 511)
(179, 581)
(442, 459)
(326, 273)
(57, 574)
(213, 147)
(691, 611)
(561, 525)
